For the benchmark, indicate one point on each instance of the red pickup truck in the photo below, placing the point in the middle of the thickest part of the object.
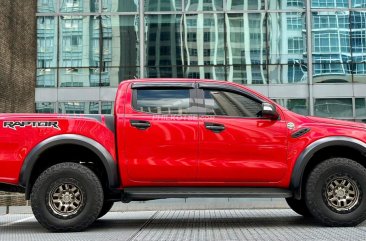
(180, 138)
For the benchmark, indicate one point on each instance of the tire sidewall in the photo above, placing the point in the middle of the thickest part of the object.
(315, 197)
(41, 192)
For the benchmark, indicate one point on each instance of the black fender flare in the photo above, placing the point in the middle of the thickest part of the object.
(310, 150)
(31, 159)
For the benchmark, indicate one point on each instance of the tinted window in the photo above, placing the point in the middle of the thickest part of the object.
(230, 104)
(162, 101)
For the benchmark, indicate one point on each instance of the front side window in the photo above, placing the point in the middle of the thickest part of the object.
(162, 101)
(225, 103)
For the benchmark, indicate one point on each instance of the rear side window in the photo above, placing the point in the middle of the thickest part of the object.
(225, 103)
(162, 101)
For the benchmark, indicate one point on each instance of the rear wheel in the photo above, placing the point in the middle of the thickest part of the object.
(67, 197)
(335, 192)
(107, 206)
(298, 206)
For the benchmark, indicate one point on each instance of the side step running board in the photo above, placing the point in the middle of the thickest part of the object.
(140, 193)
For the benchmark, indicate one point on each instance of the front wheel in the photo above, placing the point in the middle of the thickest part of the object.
(67, 197)
(107, 206)
(335, 192)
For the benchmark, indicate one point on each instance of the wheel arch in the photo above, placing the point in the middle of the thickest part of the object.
(305, 159)
(34, 157)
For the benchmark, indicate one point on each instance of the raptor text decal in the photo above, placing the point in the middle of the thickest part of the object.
(34, 124)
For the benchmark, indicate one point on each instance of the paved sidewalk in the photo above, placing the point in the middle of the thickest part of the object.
(254, 224)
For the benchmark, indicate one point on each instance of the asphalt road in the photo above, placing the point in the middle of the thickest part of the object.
(265, 224)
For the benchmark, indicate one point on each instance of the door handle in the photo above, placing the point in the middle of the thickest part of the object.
(217, 128)
(140, 124)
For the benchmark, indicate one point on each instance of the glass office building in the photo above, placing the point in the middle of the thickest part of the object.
(309, 56)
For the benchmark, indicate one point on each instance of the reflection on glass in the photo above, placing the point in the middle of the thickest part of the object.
(207, 72)
(164, 41)
(286, 4)
(46, 77)
(107, 108)
(329, 3)
(113, 76)
(293, 72)
(79, 41)
(120, 36)
(299, 106)
(77, 6)
(358, 43)
(333, 107)
(120, 5)
(245, 4)
(46, 42)
(78, 107)
(203, 5)
(246, 38)
(79, 77)
(45, 107)
(286, 32)
(204, 39)
(248, 74)
(360, 107)
(359, 3)
(331, 35)
(46, 6)
(163, 5)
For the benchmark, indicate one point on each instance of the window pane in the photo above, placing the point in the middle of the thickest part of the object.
(79, 77)
(163, 101)
(246, 36)
(120, 5)
(287, 4)
(333, 107)
(292, 73)
(165, 72)
(299, 106)
(45, 107)
(46, 6)
(120, 41)
(163, 5)
(204, 39)
(329, 3)
(208, 72)
(287, 37)
(245, 5)
(359, 3)
(46, 42)
(46, 77)
(78, 107)
(358, 43)
(77, 6)
(248, 74)
(113, 76)
(79, 41)
(203, 5)
(107, 108)
(164, 40)
(230, 104)
(360, 107)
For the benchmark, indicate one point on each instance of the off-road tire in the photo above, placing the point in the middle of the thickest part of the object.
(298, 206)
(317, 187)
(107, 206)
(73, 175)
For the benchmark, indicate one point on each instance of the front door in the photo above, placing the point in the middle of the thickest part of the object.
(236, 144)
(161, 136)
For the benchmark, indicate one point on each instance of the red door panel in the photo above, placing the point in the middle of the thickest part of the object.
(247, 150)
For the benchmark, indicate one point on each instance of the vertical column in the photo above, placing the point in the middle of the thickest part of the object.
(309, 41)
(142, 39)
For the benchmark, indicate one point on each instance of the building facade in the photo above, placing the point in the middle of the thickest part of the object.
(309, 56)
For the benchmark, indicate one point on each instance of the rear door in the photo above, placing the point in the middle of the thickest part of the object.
(161, 143)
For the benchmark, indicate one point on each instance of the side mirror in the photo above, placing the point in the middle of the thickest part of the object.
(269, 111)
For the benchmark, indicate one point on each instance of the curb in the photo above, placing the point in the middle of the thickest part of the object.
(182, 204)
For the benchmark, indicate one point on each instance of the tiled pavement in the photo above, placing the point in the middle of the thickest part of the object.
(252, 224)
